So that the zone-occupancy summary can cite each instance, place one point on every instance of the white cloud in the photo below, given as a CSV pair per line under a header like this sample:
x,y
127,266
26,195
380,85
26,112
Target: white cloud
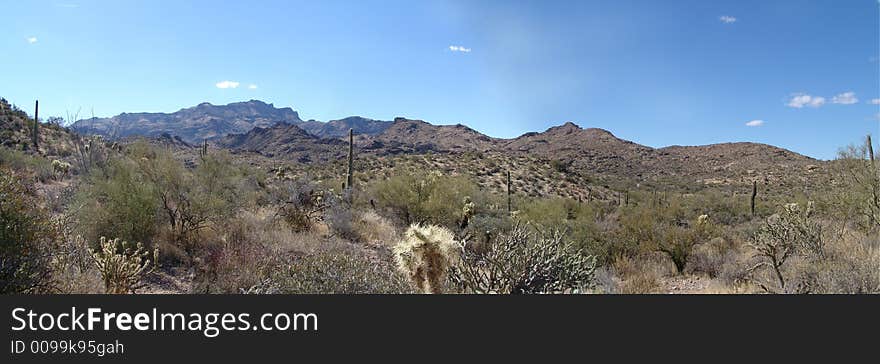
x,y
252,87
227,84
755,123
846,98
727,19
800,100
31,40
459,49
874,102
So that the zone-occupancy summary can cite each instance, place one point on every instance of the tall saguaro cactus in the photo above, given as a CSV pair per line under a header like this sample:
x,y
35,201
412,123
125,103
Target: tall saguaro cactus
x,y
871,151
349,180
754,194
35,135
509,188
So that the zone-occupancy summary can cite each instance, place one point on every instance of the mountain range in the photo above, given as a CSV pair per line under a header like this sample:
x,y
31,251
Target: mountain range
x,y
208,121
255,126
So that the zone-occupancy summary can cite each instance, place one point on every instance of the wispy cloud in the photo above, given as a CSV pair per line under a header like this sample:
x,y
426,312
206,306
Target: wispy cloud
x,y
727,19
31,40
846,98
800,100
227,84
874,102
755,123
252,87
454,48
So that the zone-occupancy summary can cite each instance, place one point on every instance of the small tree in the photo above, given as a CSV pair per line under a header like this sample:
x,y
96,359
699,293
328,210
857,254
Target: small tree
x,y
781,237
678,242
858,196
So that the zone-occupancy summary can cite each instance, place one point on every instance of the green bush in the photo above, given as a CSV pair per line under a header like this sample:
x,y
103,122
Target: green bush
x,y
25,238
427,198
118,201
22,162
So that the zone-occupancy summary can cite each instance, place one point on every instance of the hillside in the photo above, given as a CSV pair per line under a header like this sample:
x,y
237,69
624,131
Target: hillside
x,y
418,136
597,154
285,141
339,128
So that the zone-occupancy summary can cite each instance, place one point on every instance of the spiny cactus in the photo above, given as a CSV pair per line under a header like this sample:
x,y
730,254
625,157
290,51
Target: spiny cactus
x,y
509,188
425,255
349,178
523,262
203,153
467,212
754,194
789,232
35,136
60,169
121,267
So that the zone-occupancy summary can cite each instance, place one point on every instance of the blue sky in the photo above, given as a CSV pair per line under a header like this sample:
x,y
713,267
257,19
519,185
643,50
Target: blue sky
x,y
804,74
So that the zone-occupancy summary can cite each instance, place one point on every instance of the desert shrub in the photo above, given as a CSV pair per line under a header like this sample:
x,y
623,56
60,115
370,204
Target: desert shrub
x,y
190,200
425,255
427,198
26,234
851,265
784,235
857,197
338,271
483,229
22,162
340,218
710,258
640,275
374,229
578,221
123,266
560,166
678,242
245,252
118,201
524,262
642,282
300,203
235,264
73,270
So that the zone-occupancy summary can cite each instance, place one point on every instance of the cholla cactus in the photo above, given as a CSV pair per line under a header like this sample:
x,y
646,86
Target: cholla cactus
x,y
783,235
702,219
122,271
467,212
60,168
424,256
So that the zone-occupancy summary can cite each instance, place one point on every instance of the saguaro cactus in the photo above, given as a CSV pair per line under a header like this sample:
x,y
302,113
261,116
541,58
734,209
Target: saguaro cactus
x,y
204,151
35,135
870,151
509,188
754,194
349,180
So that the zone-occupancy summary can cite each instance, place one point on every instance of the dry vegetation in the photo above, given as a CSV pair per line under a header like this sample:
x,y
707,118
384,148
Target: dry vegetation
x,y
210,221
